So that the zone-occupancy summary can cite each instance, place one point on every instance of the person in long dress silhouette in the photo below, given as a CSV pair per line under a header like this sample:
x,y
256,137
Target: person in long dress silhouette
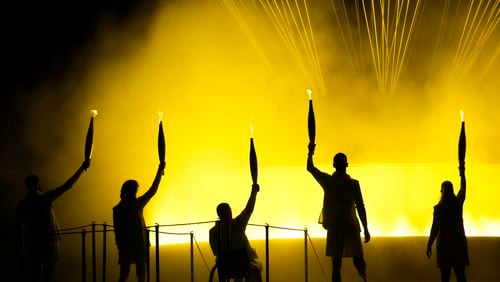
x,y
448,229
129,226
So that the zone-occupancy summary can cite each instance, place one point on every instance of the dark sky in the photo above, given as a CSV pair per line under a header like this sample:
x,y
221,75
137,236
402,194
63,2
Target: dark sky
x,y
40,41
40,38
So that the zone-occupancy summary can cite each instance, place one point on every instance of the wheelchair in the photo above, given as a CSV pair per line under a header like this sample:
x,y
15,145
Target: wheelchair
x,y
235,264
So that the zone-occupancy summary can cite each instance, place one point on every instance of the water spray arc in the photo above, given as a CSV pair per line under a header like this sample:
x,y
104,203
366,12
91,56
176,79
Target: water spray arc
x,y
290,21
385,28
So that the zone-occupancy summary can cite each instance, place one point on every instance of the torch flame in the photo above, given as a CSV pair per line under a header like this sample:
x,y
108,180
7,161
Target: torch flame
x,y
461,115
160,116
251,130
93,113
309,93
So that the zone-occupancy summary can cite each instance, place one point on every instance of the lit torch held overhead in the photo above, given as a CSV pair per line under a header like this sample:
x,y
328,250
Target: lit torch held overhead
x,y
311,121
461,143
161,138
253,158
89,140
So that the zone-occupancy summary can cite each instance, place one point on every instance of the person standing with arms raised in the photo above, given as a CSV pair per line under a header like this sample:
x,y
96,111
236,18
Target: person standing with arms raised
x,y
342,198
448,225
129,226
37,229
128,219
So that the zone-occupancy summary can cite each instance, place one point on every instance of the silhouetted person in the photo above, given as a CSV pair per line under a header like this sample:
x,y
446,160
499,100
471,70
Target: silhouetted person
x,y
448,228
130,234
37,230
229,243
342,197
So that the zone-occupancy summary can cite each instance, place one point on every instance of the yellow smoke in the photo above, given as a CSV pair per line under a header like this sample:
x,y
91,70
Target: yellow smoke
x,y
196,65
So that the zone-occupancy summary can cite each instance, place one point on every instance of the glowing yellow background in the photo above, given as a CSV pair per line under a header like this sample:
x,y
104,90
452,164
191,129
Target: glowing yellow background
x,y
196,65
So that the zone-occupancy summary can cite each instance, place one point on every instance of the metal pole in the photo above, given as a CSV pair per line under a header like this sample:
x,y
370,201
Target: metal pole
x,y
191,253
306,268
94,270
267,252
157,249
104,227
84,258
148,273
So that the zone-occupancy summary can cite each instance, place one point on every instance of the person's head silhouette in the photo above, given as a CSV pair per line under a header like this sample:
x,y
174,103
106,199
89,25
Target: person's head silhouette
x,y
129,189
447,190
340,162
32,183
224,212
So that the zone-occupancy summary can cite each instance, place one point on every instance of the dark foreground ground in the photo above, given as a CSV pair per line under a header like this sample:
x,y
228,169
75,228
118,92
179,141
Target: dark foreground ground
x,y
388,258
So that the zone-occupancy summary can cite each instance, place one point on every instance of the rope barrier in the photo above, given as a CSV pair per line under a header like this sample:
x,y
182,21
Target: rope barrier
x,y
317,258
201,254
173,233
75,228
92,229
188,223
70,233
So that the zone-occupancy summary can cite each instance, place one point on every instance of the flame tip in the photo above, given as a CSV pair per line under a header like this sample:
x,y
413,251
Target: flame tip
x,y
251,130
309,93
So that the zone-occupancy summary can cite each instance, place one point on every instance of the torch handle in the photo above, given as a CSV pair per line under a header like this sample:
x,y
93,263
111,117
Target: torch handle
x,y
253,162
311,124
89,140
161,143
461,146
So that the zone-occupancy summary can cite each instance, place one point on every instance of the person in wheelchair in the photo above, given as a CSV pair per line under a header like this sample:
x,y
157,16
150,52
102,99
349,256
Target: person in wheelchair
x,y
235,258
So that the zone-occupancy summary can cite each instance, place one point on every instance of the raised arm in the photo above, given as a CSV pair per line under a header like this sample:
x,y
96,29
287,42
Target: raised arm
x,y
248,210
54,193
156,183
461,192
316,173
310,153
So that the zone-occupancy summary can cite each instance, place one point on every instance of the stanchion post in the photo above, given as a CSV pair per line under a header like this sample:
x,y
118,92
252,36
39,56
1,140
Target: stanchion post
x,y
267,252
94,270
148,272
157,251
191,254
84,257
104,230
306,267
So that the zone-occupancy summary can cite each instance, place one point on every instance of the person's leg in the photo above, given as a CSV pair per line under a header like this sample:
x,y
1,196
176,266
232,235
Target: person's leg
x,y
336,266
254,274
445,274
34,270
124,272
335,250
140,270
47,271
460,274
360,265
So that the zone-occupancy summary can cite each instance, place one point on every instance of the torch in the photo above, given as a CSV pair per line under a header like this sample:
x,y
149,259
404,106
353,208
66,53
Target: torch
x,y
161,138
311,122
253,157
89,141
461,143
